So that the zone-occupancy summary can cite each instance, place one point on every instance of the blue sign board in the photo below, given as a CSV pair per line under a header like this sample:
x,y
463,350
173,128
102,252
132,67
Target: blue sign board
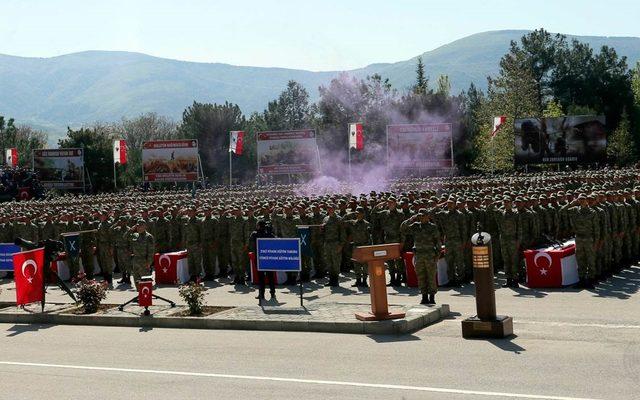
x,y
7,250
278,254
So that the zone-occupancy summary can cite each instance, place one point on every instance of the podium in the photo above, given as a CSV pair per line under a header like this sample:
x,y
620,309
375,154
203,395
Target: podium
x,y
375,256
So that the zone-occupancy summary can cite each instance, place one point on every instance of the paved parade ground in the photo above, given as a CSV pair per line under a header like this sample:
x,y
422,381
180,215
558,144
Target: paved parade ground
x,y
569,344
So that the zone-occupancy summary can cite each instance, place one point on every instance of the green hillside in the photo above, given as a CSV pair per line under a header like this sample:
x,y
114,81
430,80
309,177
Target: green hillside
x,y
105,86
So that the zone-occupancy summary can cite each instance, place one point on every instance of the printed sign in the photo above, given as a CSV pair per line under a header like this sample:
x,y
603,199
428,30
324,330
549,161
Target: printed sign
x,y
7,250
419,146
278,254
60,168
170,160
287,152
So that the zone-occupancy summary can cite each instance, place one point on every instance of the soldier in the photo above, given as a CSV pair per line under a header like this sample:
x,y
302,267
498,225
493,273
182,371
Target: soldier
x,y
209,245
509,230
192,238
142,246
359,231
333,238
222,249
450,221
87,245
237,243
121,234
390,219
584,224
105,248
427,251
317,241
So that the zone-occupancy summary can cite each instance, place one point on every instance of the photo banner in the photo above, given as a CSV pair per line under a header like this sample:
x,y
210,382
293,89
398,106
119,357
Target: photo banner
x,y
170,160
580,139
419,146
287,152
60,168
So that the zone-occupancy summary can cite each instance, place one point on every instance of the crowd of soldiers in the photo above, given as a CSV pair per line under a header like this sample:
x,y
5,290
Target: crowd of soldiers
x,y
435,217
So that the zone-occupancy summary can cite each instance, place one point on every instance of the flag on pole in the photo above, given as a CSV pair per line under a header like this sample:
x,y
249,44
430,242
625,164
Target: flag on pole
x,y
119,152
71,242
497,123
356,136
145,293
12,157
28,271
236,142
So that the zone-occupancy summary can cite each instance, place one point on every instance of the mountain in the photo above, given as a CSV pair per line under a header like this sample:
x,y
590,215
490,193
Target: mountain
x,y
69,90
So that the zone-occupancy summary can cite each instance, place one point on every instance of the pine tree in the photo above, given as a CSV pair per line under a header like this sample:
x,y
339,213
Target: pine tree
x,y
621,148
422,82
444,86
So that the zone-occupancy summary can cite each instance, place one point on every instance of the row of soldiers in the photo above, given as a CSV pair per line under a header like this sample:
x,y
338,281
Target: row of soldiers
x,y
600,208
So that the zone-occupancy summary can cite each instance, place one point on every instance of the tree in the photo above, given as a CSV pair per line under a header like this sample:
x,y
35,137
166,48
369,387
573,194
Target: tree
x,y
621,149
26,139
444,86
553,109
7,129
291,110
97,142
422,82
210,124
513,93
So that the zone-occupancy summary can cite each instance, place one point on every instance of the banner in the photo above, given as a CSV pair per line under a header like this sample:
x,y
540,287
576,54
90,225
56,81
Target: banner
x,y
580,139
236,142
419,146
278,254
170,160
71,242
12,157
7,250
60,168
287,152
145,293
119,152
356,136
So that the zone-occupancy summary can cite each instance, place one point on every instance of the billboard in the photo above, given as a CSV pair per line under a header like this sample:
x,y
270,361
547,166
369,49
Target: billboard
x,y
570,139
287,152
60,168
419,146
170,160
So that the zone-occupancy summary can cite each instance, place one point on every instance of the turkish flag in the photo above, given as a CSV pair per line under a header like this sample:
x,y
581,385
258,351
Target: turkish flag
x,y
410,270
356,136
24,193
236,142
28,271
145,291
119,152
551,267
497,123
166,267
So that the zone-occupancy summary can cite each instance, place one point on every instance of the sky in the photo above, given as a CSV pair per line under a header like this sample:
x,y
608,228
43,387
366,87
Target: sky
x,y
319,35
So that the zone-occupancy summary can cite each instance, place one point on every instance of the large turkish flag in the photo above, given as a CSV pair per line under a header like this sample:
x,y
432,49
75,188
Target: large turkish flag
x,y
28,271
551,267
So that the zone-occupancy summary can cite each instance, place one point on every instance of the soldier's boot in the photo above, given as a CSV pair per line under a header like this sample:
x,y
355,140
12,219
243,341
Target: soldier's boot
x,y
319,275
402,277
425,299
392,280
432,299
125,279
224,272
109,279
364,282
333,281
357,283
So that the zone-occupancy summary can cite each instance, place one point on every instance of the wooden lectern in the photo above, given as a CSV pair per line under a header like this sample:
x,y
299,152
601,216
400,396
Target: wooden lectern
x,y
375,256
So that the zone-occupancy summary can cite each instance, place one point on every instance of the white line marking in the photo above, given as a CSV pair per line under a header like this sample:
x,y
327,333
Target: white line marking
x,y
553,323
293,380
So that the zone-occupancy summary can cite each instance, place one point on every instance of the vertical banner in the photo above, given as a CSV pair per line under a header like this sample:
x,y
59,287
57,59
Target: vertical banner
x,y
170,160
145,293
60,168
12,157
287,152
236,142
119,152
28,272
356,136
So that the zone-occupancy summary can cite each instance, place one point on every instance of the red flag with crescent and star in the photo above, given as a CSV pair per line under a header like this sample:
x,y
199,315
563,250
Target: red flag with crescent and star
x,y
166,268
236,142
119,152
28,271
356,136
145,290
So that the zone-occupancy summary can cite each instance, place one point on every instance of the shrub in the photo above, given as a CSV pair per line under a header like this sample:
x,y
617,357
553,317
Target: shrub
x,y
90,293
193,295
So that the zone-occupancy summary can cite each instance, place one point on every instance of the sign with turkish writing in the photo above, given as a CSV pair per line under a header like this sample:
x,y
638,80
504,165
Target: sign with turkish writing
x,y
7,250
60,168
278,254
170,160
419,146
287,152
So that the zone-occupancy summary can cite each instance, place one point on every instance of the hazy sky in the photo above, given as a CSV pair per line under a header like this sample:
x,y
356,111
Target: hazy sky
x,y
316,35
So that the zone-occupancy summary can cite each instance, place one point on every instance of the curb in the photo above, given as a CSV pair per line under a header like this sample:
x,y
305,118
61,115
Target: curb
x,y
417,318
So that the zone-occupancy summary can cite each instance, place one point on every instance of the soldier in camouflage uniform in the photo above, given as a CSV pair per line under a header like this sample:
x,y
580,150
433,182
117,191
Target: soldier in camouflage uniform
x,y
121,232
142,247
508,222
426,250
359,232
333,239
391,219
209,245
192,239
237,243
105,239
585,225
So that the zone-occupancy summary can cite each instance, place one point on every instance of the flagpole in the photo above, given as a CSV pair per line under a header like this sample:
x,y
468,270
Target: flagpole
x,y
493,160
349,162
230,169
115,181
